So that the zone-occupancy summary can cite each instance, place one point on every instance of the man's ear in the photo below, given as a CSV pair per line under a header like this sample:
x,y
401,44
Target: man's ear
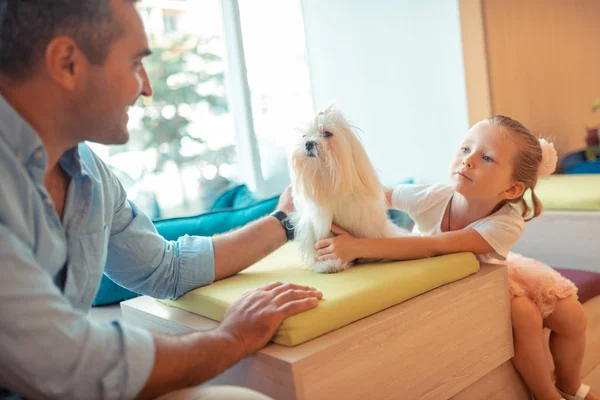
x,y
65,62
514,191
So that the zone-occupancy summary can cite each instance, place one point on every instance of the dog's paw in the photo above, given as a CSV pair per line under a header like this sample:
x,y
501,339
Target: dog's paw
x,y
329,266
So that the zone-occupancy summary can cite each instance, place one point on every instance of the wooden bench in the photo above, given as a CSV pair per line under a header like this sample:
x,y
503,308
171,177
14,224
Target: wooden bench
x,y
452,342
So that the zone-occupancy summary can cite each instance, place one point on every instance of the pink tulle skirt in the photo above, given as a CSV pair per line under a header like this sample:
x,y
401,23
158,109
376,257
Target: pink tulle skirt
x,y
534,279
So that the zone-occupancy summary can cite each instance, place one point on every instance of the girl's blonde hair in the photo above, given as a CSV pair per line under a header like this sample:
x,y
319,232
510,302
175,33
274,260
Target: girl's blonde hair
x,y
526,165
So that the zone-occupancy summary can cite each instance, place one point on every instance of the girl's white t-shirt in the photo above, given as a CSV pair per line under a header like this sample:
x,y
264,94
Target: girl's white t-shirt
x,y
426,205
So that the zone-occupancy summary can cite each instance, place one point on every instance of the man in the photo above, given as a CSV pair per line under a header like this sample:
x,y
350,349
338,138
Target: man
x,y
69,71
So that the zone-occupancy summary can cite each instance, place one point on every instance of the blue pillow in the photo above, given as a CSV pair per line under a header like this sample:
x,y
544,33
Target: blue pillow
x,y
237,197
587,167
401,218
207,224
215,222
109,292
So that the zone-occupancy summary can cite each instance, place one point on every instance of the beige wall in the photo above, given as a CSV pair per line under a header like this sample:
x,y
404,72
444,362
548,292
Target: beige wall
x,y
543,64
475,59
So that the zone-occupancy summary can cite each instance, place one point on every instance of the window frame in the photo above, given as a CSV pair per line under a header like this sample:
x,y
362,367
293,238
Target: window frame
x,y
238,93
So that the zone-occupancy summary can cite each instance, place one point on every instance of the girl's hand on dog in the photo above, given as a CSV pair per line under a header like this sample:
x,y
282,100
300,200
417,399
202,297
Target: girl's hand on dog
x,y
342,246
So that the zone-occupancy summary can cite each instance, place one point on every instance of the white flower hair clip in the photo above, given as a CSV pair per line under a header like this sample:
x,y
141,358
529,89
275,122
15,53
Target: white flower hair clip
x,y
549,159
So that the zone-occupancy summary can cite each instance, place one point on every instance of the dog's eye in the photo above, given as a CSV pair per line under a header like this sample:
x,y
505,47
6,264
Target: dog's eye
x,y
327,134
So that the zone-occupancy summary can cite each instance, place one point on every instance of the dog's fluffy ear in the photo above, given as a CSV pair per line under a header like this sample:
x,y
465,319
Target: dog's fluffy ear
x,y
366,179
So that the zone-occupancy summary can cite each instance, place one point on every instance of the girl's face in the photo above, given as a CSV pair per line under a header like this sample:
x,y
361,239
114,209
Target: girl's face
x,y
483,166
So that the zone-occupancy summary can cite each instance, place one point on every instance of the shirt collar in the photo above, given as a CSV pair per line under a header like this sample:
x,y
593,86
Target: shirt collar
x,y
21,138
70,161
27,146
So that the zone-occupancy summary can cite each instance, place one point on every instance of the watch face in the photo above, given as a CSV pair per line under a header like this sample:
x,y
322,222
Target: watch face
x,y
289,228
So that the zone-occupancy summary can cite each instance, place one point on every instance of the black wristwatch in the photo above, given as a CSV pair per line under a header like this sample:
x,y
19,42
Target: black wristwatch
x,y
285,222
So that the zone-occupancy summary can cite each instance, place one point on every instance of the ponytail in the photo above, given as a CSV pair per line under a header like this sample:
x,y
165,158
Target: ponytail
x,y
526,210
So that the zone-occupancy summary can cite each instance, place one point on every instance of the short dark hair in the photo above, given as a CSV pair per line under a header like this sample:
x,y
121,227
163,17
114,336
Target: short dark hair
x,y
28,26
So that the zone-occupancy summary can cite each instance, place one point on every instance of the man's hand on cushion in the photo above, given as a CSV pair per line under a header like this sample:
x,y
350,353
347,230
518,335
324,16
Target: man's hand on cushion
x,y
253,319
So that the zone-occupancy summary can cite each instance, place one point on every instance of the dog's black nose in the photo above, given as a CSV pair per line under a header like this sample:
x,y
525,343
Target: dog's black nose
x,y
310,145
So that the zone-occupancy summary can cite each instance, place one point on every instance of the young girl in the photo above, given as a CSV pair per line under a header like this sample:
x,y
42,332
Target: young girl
x,y
483,211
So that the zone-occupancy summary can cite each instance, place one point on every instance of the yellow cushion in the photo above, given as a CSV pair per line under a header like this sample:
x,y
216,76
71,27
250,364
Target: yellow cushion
x,y
570,192
347,296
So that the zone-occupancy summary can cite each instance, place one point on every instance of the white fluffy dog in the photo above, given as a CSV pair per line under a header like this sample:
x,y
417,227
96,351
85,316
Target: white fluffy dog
x,y
334,181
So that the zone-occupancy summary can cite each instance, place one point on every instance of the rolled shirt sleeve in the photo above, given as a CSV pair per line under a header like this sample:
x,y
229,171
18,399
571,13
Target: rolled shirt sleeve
x,y
50,350
142,260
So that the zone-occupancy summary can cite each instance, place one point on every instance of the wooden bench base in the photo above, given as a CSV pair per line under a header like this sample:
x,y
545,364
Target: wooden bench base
x,y
434,346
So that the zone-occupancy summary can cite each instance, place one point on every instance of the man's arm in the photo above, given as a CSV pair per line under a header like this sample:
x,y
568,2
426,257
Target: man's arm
x,y
141,260
239,249
50,350
248,325
243,247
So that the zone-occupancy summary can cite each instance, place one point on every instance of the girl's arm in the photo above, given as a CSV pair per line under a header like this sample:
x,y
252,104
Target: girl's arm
x,y
348,248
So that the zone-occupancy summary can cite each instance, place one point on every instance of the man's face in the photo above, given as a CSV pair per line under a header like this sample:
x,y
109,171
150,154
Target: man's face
x,y
110,89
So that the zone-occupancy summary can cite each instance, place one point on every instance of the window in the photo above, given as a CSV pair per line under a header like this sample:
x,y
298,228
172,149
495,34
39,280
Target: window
x,y
170,24
192,140
279,82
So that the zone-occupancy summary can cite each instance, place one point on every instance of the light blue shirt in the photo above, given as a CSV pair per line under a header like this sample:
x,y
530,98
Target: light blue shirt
x,y
48,347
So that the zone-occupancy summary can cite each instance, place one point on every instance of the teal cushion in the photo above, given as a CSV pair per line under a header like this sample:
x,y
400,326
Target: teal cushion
x,y
109,292
401,218
207,224
215,222
237,197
